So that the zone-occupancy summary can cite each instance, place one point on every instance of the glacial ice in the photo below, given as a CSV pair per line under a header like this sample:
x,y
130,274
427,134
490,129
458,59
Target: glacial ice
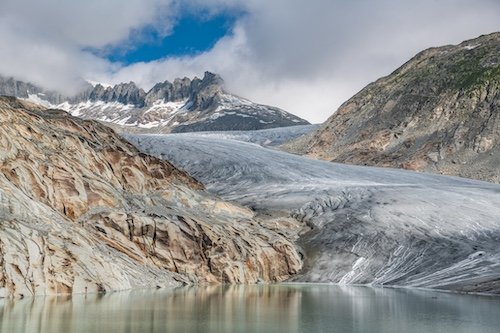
x,y
369,225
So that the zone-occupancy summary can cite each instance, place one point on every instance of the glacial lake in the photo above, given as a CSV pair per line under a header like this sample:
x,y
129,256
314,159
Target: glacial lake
x,y
263,308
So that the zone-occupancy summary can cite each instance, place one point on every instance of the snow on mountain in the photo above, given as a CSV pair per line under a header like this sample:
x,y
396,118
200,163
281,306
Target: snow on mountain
x,y
184,105
369,225
159,114
38,99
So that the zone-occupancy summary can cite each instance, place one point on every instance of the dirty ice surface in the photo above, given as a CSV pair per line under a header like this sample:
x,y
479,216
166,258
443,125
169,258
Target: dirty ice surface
x,y
369,225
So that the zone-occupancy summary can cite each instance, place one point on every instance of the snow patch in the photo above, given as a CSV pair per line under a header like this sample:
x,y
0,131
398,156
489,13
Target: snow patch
x,y
104,111
35,98
122,121
167,106
471,47
151,124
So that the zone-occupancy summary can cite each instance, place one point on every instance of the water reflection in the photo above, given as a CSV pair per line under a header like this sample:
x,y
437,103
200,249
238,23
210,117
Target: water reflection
x,y
275,308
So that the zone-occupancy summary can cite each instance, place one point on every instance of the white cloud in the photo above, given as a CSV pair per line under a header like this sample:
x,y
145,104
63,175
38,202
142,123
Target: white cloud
x,y
86,23
44,41
304,56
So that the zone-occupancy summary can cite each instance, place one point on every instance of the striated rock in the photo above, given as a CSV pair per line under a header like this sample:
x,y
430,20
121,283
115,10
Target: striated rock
x,y
438,113
81,210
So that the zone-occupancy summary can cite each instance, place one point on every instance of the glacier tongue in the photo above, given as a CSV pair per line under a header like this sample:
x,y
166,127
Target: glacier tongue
x,y
369,225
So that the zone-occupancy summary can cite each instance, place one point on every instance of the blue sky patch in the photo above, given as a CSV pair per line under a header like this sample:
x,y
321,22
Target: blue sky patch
x,y
191,35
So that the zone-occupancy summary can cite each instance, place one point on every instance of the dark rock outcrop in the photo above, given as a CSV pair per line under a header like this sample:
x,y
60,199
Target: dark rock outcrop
x,y
180,89
124,93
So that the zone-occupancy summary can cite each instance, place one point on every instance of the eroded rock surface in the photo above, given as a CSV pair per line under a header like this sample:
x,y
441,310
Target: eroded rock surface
x,y
81,210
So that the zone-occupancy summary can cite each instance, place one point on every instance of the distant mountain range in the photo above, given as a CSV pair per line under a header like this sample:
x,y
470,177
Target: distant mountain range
x,y
184,105
439,112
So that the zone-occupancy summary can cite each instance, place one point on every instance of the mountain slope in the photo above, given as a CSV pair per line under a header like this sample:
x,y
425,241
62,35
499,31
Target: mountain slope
x,y
439,112
182,106
369,225
81,210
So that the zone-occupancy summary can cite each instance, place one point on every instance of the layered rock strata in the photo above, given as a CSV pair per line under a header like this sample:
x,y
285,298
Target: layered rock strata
x,y
81,210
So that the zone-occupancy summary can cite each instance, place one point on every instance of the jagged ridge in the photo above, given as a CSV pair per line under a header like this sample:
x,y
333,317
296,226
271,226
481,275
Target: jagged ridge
x,y
182,106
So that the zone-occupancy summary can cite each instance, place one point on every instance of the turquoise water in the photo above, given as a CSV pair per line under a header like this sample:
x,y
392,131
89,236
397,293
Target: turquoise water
x,y
274,308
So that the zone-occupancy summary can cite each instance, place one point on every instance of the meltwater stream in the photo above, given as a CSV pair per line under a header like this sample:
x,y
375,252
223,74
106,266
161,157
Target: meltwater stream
x,y
265,308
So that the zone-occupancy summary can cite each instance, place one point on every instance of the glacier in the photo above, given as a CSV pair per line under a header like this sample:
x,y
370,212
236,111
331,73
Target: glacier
x,y
362,225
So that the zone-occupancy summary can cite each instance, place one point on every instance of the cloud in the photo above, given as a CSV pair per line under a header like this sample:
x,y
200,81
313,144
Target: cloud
x,y
86,23
304,56
44,41
309,57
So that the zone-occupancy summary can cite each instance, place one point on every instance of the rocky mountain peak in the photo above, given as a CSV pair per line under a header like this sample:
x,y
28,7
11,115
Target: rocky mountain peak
x,y
206,92
125,93
439,112
210,78
179,90
182,105
9,86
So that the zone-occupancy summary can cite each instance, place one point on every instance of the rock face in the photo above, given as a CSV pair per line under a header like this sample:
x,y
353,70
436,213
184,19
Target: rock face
x,y
123,93
12,87
439,112
182,106
81,210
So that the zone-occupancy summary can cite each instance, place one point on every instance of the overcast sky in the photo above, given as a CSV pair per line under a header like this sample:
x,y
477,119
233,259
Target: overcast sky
x,y
304,56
